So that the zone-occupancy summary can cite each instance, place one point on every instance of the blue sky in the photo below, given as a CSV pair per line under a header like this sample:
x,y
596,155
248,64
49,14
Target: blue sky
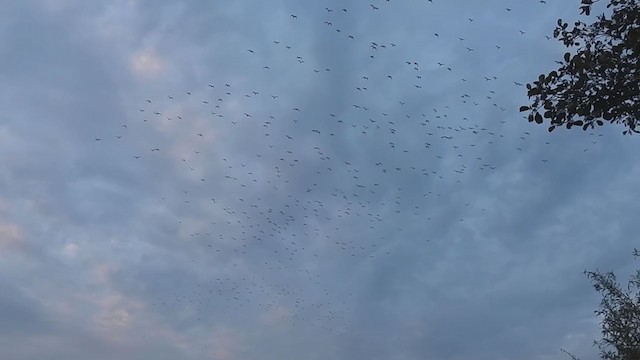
x,y
288,179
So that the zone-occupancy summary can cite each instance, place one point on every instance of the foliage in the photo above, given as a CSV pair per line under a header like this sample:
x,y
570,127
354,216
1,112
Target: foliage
x,y
601,80
620,314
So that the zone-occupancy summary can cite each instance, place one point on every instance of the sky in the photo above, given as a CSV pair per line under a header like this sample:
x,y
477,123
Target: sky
x,y
289,179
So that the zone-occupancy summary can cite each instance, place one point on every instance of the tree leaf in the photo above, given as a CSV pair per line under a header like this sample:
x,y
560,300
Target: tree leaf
x,y
597,81
538,118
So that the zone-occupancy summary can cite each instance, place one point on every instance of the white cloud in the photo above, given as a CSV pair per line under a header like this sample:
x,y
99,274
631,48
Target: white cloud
x,y
146,64
11,237
71,250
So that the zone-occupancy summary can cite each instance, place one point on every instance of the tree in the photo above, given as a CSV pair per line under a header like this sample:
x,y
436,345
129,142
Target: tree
x,y
620,313
600,81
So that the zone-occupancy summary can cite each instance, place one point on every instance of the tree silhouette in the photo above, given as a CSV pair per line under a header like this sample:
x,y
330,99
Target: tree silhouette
x,y
600,81
620,313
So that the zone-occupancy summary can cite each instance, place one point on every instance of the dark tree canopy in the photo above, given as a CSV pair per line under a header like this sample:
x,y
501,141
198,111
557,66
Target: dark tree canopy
x,y
600,81
620,314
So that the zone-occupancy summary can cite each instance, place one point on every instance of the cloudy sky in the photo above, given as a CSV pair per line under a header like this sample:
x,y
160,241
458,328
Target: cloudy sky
x,y
297,179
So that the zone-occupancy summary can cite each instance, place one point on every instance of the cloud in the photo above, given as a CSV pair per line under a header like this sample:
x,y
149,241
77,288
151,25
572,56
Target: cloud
x,y
225,344
11,237
146,64
379,220
71,250
21,315
276,315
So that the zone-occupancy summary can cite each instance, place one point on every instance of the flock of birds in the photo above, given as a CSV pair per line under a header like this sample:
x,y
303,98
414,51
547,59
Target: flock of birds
x,y
289,190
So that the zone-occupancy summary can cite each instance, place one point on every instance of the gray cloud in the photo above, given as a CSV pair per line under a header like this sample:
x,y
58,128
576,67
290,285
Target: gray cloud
x,y
424,221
